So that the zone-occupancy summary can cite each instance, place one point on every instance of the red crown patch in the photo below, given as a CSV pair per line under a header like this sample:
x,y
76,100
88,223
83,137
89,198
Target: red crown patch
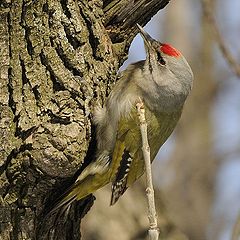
x,y
169,50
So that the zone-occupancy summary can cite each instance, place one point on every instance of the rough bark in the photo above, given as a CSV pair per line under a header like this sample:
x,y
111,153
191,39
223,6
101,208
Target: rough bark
x,y
58,59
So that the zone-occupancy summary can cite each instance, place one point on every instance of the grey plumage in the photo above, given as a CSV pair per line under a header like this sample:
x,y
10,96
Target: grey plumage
x,y
163,81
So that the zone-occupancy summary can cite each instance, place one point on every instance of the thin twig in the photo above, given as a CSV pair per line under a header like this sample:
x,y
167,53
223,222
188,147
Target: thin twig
x,y
217,35
153,231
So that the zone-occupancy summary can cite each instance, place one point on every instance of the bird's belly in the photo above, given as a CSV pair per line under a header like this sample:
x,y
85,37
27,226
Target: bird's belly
x,y
160,126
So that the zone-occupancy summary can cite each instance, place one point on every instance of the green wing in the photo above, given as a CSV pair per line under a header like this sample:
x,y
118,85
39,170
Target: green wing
x,y
127,160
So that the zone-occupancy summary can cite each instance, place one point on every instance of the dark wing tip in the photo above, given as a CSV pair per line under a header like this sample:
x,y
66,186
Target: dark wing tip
x,y
120,183
118,189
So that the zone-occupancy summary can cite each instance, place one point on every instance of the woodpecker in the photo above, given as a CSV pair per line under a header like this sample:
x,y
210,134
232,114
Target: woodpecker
x,y
162,81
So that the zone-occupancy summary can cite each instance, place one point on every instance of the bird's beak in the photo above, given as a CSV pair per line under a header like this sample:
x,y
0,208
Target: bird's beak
x,y
148,40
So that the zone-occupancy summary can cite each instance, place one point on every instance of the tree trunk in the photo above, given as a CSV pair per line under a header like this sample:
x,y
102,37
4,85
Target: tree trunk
x,y
58,60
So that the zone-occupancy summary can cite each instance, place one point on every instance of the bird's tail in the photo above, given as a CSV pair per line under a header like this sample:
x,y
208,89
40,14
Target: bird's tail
x,y
93,177
65,200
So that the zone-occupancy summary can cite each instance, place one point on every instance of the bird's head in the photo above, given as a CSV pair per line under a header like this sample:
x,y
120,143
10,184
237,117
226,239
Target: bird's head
x,y
165,61
166,66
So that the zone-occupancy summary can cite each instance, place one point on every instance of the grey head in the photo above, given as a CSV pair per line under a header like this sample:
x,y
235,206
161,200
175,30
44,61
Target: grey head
x,y
166,77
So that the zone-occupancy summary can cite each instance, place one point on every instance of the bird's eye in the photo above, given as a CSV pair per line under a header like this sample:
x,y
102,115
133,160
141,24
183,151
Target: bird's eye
x,y
160,59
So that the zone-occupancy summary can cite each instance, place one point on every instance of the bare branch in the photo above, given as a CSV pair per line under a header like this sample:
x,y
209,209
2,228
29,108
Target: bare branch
x,y
218,37
153,231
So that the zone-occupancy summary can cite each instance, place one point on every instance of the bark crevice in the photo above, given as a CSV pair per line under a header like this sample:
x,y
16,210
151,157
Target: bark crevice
x,y
59,62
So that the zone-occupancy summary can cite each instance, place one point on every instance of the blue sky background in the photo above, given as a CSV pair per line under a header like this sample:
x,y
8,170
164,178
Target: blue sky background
x,y
226,110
